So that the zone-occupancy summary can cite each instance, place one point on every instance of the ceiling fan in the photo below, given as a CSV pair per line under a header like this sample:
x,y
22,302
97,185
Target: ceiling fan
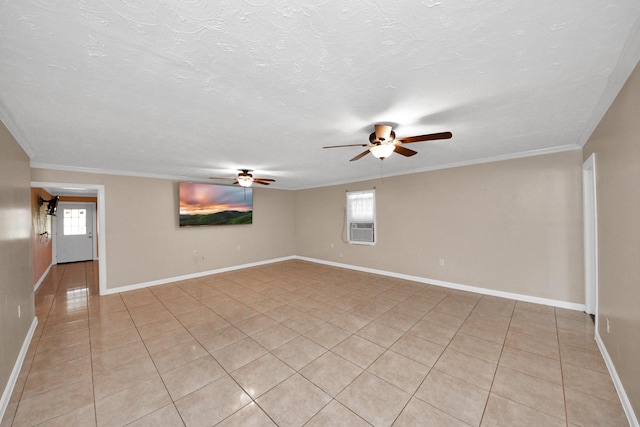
x,y
383,142
245,179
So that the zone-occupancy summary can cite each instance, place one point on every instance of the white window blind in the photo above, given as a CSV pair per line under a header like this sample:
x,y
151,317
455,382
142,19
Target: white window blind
x,y
361,216
361,206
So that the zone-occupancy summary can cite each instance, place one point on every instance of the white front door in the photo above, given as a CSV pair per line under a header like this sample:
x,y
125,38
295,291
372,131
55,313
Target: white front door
x,y
74,232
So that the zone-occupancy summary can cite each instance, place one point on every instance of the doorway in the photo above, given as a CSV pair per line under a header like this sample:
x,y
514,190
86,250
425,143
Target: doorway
x,y
99,224
590,215
75,231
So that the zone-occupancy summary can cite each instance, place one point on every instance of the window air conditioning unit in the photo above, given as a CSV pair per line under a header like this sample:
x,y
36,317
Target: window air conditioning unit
x,y
361,232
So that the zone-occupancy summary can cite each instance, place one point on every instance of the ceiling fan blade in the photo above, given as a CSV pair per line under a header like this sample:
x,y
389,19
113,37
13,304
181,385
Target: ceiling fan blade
x,y
219,177
359,156
257,181
263,180
348,145
429,137
404,151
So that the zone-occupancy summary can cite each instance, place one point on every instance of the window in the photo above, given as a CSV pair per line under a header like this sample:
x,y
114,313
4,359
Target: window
x,y
75,222
361,217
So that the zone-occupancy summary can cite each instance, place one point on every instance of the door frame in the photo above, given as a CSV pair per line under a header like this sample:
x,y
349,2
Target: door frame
x,y
590,223
100,224
94,243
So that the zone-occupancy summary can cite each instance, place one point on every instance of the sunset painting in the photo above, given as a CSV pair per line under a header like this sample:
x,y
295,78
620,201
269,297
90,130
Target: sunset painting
x,y
210,204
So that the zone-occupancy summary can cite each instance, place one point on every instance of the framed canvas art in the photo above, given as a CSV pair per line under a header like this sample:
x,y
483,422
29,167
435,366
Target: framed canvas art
x,y
212,204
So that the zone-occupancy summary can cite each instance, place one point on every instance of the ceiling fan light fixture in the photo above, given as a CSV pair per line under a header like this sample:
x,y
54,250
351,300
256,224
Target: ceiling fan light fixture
x,y
245,181
382,151
383,142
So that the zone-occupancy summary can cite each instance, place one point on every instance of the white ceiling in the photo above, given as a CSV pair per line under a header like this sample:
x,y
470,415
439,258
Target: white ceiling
x,y
193,88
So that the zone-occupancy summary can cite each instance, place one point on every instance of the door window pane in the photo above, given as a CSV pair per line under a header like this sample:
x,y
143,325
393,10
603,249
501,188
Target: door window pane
x,y
75,222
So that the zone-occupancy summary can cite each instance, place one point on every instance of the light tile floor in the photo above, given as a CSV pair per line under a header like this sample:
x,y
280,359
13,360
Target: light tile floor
x,y
297,343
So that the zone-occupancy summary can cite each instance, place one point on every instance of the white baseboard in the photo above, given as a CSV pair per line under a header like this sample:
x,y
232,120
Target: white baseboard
x,y
41,279
13,378
468,288
192,276
622,394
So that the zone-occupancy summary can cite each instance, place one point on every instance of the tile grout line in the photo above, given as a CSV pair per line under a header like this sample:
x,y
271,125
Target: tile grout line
x,y
498,363
173,402
436,361
534,376
210,354
37,343
564,388
93,381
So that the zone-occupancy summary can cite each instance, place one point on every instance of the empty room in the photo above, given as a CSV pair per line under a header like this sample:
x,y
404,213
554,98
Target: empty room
x,y
264,213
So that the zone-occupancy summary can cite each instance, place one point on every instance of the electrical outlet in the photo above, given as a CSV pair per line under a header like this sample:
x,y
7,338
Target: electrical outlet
x,y
195,253
19,312
441,262
608,325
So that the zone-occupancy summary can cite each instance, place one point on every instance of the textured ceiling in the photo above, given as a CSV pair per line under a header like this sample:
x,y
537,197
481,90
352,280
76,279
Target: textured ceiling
x,y
190,89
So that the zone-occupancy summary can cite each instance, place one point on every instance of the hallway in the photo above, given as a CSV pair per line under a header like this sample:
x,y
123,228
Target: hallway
x,y
61,307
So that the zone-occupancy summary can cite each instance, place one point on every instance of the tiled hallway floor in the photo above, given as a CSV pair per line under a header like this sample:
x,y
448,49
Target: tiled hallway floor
x,y
296,343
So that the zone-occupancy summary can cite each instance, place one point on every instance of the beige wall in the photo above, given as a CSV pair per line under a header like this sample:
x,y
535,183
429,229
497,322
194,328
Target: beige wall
x,y
616,144
513,226
144,242
490,223
16,284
